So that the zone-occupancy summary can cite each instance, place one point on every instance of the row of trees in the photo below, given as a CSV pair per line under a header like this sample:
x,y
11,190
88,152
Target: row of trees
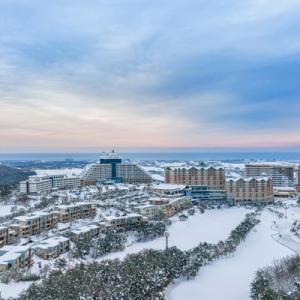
x,y
139,276
278,281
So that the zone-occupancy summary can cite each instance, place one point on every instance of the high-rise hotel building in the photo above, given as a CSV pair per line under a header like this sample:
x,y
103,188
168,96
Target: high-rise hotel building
x,y
111,167
282,174
213,178
255,189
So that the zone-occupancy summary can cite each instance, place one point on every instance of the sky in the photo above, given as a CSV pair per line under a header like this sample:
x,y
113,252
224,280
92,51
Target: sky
x,y
206,74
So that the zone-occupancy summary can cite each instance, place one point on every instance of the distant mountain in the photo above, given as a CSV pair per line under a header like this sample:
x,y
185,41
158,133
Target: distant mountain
x,y
10,177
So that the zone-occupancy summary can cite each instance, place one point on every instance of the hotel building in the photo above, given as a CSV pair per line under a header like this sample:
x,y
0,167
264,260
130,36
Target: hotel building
x,y
282,174
213,178
43,184
255,189
111,167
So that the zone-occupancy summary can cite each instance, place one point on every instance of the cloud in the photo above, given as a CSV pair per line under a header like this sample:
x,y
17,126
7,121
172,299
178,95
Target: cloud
x,y
78,74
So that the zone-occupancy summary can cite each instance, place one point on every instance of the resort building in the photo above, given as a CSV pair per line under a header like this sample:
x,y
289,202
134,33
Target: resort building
x,y
284,192
15,258
167,189
84,233
202,193
255,189
80,210
164,207
130,219
111,167
43,184
7,235
52,247
282,174
34,223
213,178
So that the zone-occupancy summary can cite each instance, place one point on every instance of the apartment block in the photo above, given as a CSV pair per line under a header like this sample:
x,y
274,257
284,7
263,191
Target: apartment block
x,y
212,177
164,207
15,257
130,219
52,247
34,223
255,189
7,235
80,210
43,184
84,233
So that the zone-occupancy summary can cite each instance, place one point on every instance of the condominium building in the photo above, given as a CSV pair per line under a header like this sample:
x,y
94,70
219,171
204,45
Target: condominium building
x,y
130,219
43,184
164,207
15,257
282,174
80,210
212,177
7,235
255,189
111,167
34,223
52,247
84,233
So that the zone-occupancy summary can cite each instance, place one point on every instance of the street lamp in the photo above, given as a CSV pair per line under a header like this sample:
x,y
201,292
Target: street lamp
x,y
167,234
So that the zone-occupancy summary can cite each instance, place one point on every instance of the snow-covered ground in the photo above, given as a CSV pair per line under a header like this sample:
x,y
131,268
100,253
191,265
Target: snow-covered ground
x,y
13,289
212,226
5,210
230,278
73,171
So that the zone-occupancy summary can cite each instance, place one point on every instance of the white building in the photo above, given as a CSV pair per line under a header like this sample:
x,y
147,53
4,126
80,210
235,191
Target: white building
x,y
111,167
43,184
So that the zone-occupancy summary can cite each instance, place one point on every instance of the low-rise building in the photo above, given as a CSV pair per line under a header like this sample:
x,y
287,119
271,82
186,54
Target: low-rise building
x,y
15,257
284,192
255,190
75,211
167,189
52,247
164,207
202,193
7,235
130,219
84,233
34,223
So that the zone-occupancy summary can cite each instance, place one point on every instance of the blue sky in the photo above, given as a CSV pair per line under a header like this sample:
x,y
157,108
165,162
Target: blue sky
x,y
80,75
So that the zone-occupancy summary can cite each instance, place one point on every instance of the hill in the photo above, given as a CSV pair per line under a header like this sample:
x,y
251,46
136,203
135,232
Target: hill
x,y
10,177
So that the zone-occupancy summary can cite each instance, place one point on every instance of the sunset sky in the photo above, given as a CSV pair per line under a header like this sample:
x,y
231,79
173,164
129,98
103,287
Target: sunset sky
x,y
83,75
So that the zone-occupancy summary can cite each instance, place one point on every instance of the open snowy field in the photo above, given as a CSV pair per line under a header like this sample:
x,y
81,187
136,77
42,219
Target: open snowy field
x,y
230,278
212,226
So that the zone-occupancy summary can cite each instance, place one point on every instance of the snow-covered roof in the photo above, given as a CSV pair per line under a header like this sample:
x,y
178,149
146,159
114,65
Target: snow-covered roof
x,y
198,168
32,216
168,186
260,178
51,242
84,229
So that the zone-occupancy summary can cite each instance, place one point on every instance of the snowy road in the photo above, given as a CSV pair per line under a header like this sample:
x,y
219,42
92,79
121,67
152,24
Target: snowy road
x,y
230,278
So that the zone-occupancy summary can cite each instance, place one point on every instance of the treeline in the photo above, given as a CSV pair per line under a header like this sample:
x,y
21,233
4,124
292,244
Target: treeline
x,y
139,276
278,281
10,177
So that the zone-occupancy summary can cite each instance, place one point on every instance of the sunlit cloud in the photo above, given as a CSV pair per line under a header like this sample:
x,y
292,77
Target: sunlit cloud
x,y
90,74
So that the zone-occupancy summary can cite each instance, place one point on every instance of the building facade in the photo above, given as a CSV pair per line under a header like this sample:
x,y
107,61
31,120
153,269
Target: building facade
x,y
38,184
253,190
111,167
213,178
282,174
80,210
